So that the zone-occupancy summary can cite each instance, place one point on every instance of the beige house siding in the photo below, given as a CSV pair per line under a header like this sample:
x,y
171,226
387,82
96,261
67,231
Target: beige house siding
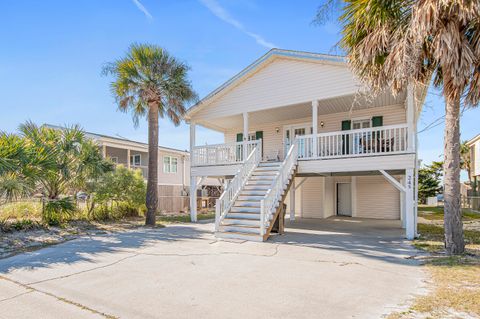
x,y
476,159
283,82
312,197
377,198
273,141
178,178
373,197
329,204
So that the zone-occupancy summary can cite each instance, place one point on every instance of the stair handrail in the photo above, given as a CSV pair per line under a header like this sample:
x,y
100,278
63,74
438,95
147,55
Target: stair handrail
x,y
274,193
230,194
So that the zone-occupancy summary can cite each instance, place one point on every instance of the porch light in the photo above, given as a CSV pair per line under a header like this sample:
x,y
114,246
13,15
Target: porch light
x,y
322,124
277,129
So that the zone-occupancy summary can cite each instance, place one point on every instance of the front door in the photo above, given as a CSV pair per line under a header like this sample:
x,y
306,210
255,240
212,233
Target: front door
x,y
293,131
344,199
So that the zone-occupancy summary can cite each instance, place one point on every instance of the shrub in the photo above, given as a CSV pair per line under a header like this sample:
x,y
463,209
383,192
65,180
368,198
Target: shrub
x,y
57,211
117,195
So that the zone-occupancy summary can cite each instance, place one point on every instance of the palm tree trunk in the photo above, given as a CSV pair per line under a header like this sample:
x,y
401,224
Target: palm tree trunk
x,y
454,242
152,181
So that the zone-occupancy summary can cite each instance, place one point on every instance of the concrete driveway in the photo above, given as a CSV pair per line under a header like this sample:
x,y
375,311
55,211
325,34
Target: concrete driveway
x,y
335,268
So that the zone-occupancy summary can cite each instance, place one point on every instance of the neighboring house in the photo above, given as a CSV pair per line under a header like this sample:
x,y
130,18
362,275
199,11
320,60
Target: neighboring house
x,y
173,170
297,130
474,145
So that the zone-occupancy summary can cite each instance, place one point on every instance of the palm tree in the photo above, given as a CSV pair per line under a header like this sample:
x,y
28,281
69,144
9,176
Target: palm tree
x,y
150,82
393,44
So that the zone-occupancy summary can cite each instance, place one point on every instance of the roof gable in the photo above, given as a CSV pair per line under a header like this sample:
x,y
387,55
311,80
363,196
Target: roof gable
x,y
293,66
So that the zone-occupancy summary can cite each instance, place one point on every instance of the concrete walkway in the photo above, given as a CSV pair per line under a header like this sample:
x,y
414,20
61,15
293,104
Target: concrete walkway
x,y
336,268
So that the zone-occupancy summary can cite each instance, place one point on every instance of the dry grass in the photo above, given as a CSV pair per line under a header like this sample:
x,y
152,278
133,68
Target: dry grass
x,y
436,213
21,210
455,280
184,218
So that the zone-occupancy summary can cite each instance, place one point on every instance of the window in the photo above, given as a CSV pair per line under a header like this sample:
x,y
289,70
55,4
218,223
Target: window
x,y
170,164
114,159
358,124
135,160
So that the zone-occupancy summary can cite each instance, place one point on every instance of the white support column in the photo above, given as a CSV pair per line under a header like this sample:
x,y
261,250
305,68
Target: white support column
x,y
354,196
245,135
193,199
104,151
415,195
128,158
411,118
315,126
292,200
409,204
193,179
402,203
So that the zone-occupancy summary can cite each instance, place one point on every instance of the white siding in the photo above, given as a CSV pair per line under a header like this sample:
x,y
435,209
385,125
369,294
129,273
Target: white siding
x,y
298,200
377,198
329,201
312,197
283,82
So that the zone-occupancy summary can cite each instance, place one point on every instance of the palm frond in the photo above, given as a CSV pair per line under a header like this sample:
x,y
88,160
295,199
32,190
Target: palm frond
x,y
149,74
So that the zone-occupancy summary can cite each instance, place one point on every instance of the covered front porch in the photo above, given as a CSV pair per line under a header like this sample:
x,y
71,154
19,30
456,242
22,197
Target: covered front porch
x,y
343,127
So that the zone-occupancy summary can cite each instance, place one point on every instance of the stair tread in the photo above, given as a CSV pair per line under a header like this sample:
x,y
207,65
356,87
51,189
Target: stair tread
x,y
240,233
241,226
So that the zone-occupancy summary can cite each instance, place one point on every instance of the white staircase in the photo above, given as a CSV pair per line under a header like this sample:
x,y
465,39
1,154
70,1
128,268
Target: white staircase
x,y
253,207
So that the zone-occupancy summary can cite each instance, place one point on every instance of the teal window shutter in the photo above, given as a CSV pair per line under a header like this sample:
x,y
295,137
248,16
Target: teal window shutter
x,y
377,121
346,125
239,137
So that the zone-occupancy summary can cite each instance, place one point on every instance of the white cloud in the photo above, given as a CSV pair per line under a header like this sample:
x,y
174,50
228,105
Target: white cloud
x,y
224,15
143,9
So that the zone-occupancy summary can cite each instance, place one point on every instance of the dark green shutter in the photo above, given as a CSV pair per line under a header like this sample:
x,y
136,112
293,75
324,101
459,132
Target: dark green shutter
x,y
239,137
377,121
346,125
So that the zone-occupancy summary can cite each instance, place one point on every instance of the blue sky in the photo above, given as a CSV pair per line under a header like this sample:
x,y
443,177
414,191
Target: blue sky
x,y
53,50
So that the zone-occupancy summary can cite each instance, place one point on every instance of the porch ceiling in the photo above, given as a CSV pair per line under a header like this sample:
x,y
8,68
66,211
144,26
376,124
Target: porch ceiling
x,y
304,110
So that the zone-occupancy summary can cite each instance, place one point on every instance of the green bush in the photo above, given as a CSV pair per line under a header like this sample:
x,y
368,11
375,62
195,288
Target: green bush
x,y
117,195
58,211
105,212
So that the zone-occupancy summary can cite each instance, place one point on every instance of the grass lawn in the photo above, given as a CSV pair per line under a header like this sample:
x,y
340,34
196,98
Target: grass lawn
x,y
455,280
436,213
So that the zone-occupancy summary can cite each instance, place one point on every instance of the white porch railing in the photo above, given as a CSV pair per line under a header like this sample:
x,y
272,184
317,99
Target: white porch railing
x,y
390,139
274,194
230,194
222,154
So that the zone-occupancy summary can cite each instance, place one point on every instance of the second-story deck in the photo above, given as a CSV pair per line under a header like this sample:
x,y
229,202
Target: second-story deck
x,y
317,153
